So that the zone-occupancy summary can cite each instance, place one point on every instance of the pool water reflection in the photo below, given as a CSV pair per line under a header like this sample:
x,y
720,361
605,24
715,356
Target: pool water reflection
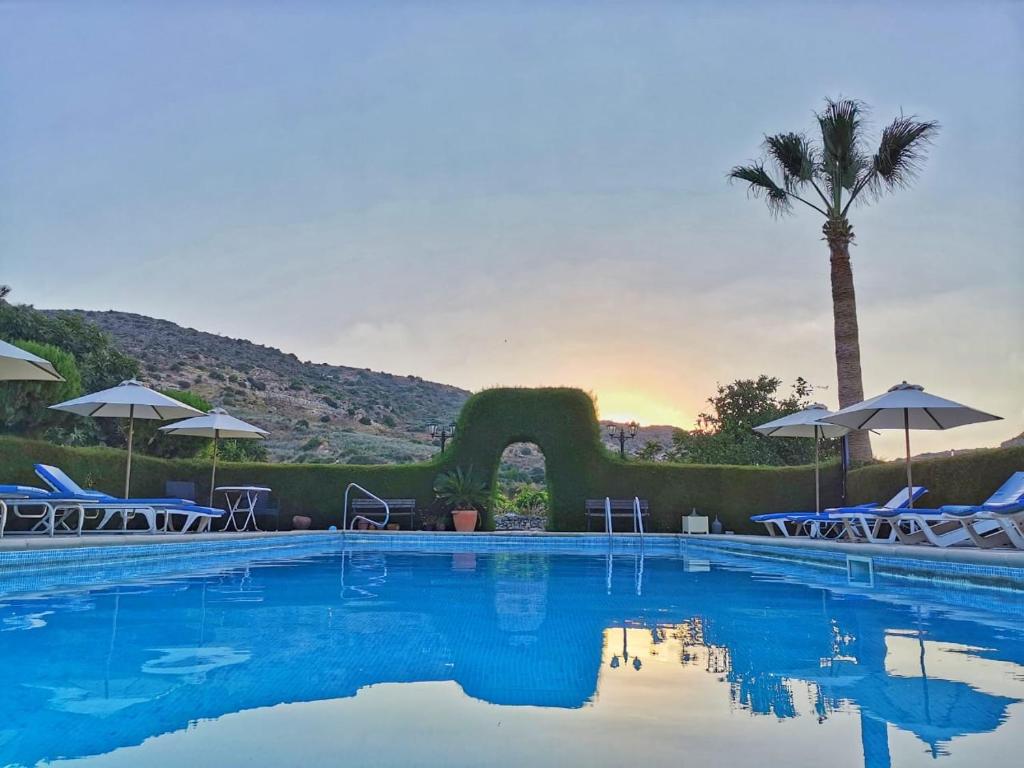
x,y
375,658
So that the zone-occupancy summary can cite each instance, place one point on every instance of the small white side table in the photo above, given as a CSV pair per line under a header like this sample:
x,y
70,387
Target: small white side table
x,y
695,524
240,501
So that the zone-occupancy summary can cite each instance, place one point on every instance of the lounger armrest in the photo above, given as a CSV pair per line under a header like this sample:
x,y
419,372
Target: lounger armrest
x,y
1003,506
23,491
960,510
161,502
854,508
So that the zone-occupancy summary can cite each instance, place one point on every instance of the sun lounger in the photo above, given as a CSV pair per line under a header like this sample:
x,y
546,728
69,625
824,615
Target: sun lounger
x,y
832,523
49,511
111,506
794,524
999,521
995,522
929,526
866,522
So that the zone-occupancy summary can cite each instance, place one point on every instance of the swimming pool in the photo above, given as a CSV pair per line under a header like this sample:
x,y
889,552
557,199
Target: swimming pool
x,y
363,656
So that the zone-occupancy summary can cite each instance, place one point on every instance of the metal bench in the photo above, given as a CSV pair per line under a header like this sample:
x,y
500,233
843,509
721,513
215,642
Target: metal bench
x,y
621,509
371,508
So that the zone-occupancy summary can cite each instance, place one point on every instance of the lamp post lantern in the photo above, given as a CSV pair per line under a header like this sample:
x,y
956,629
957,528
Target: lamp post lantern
x,y
622,433
443,433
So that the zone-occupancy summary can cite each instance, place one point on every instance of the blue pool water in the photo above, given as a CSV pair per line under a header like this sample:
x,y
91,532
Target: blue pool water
x,y
398,658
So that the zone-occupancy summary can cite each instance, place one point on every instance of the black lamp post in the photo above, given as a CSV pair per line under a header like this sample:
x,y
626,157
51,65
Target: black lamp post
x,y
444,433
622,434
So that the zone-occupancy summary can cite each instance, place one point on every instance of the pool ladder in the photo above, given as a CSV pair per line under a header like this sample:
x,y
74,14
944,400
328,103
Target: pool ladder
x,y
387,509
638,517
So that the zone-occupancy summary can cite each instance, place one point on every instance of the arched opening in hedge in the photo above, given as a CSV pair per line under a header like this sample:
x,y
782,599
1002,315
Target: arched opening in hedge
x,y
521,496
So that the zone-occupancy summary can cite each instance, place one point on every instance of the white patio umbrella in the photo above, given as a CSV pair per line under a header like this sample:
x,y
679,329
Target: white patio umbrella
x,y
128,400
806,423
217,423
18,365
907,406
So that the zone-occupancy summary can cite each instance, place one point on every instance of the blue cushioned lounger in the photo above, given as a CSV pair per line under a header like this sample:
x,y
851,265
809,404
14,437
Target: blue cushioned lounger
x,y
830,523
50,511
111,506
997,521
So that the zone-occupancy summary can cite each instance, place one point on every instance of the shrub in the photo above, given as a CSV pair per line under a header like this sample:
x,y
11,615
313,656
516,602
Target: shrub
x,y
461,489
366,421
217,376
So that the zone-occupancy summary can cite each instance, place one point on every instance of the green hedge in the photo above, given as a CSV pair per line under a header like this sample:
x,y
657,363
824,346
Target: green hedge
x,y
310,489
563,424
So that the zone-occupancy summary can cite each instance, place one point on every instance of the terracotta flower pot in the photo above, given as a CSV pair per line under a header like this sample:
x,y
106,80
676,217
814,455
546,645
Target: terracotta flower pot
x,y
465,519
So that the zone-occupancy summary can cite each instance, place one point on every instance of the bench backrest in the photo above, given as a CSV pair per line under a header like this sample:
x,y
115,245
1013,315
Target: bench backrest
x,y
392,504
618,505
180,489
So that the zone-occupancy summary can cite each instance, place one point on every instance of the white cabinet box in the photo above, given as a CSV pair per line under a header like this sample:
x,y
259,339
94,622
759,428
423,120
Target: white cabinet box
x,y
695,524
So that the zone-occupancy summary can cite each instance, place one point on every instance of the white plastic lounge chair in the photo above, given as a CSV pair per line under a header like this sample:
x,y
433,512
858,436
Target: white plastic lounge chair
x,y
867,521
51,512
930,526
834,522
111,506
999,521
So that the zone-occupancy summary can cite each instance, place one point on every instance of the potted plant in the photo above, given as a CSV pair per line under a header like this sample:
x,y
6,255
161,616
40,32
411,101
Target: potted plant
x,y
464,494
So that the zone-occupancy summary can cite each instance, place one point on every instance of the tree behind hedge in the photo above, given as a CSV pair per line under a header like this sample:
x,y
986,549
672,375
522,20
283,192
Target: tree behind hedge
x,y
725,433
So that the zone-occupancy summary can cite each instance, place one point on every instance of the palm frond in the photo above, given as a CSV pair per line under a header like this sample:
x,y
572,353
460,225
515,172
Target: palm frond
x,y
902,147
795,157
761,184
842,160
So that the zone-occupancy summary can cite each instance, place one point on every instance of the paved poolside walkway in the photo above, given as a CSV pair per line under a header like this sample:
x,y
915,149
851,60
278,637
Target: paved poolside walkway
x,y
1007,558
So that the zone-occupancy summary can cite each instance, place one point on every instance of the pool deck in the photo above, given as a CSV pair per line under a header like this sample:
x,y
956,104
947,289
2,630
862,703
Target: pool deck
x,y
1006,558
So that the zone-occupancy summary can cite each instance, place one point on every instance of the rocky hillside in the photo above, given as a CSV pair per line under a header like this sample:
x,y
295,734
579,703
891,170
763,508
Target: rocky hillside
x,y
315,412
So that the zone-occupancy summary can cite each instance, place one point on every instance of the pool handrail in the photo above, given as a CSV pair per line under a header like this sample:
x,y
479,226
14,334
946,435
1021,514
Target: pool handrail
x,y
608,516
375,497
638,518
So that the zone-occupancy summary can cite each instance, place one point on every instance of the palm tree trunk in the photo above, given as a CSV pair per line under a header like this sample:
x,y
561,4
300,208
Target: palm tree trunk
x,y
847,335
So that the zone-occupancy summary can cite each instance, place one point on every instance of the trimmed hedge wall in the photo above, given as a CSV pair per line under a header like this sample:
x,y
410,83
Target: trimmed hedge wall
x,y
309,489
563,424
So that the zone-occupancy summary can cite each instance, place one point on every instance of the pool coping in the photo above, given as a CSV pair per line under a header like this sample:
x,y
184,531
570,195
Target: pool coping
x,y
63,558
1007,558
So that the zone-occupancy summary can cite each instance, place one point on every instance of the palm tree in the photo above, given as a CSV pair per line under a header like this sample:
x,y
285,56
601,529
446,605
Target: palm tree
x,y
829,176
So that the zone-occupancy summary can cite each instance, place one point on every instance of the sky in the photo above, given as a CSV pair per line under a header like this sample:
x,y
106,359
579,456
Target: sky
x,y
521,193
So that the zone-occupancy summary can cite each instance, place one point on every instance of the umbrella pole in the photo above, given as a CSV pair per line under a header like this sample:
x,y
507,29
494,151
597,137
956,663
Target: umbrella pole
x,y
131,436
906,434
817,477
213,475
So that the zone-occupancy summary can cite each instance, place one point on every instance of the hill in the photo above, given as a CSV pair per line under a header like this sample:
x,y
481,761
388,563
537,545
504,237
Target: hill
x,y
315,412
